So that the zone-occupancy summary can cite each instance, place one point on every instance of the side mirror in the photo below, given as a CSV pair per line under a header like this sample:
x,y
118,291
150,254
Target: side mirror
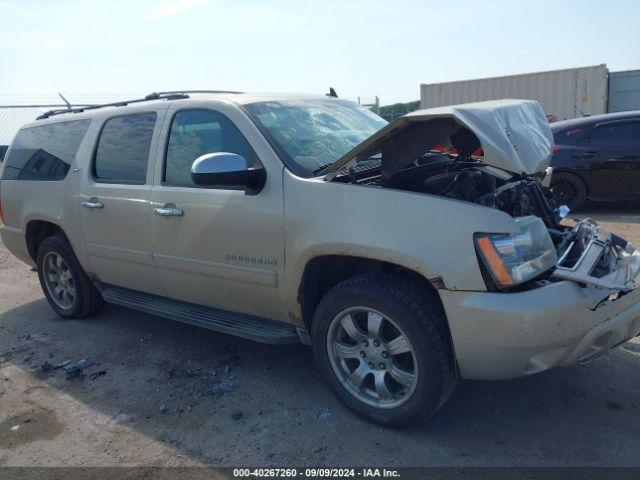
x,y
223,169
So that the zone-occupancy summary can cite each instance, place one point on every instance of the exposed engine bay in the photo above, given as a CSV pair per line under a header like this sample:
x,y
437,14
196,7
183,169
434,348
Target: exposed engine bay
x,y
496,154
586,253
466,179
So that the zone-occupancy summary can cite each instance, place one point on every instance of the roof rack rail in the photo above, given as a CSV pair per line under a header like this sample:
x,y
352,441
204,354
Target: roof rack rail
x,y
193,91
83,108
172,95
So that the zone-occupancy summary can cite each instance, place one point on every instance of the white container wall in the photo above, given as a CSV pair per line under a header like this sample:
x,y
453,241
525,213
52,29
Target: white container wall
x,y
624,91
563,94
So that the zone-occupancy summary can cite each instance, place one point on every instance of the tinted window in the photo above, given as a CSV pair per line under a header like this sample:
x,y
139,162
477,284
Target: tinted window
x,y
123,148
44,152
198,132
621,133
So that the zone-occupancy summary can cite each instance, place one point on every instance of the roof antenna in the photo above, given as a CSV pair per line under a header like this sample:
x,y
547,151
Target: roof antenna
x,y
65,101
332,93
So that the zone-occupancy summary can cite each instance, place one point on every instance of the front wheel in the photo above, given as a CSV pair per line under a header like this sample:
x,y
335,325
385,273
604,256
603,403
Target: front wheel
x,y
384,349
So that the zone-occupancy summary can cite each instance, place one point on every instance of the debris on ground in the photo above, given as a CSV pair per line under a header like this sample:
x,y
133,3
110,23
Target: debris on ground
x,y
97,374
222,387
122,418
73,370
323,413
62,364
46,366
237,415
222,380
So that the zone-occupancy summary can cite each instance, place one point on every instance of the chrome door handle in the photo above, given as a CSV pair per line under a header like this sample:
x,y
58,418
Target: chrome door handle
x,y
169,210
93,202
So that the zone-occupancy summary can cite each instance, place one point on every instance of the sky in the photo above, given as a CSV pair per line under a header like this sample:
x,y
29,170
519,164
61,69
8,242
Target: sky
x,y
96,50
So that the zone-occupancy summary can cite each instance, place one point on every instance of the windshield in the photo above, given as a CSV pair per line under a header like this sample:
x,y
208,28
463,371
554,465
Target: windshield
x,y
314,133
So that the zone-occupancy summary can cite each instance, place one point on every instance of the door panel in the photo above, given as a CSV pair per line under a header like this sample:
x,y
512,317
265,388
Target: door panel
x,y
225,251
617,171
115,216
616,160
226,248
117,235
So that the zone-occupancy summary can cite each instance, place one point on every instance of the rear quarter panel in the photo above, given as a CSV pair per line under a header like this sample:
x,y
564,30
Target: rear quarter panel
x,y
53,201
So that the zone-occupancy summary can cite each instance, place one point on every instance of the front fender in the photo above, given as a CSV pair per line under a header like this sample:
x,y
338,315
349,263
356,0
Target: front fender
x,y
430,235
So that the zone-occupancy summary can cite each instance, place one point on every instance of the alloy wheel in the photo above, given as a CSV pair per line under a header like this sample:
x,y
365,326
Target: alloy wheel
x,y
372,357
58,280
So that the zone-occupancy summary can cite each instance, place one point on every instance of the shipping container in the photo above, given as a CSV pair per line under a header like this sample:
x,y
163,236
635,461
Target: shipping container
x,y
563,94
624,91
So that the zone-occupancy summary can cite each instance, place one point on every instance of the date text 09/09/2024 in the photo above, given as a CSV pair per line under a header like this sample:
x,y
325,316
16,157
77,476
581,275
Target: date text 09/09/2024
x,y
316,473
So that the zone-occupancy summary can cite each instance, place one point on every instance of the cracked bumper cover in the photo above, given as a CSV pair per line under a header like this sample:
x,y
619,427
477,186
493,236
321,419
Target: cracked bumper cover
x,y
574,320
509,335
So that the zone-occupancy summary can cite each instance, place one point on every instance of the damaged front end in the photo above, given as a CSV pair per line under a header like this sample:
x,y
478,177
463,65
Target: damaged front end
x,y
496,154
591,255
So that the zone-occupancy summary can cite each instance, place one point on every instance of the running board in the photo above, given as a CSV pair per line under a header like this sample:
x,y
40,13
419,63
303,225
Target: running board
x,y
238,324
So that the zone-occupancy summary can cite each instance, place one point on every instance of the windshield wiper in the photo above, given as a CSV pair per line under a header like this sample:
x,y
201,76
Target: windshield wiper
x,y
321,168
361,166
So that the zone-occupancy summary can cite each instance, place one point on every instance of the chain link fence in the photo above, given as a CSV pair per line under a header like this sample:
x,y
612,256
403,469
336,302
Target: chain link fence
x,y
18,109
12,117
372,103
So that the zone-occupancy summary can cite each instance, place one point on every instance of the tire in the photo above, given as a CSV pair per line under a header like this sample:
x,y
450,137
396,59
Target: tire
x,y
569,189
405,310
66,287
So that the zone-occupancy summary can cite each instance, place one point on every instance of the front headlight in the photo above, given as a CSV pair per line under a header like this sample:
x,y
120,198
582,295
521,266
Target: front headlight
x,y
516,258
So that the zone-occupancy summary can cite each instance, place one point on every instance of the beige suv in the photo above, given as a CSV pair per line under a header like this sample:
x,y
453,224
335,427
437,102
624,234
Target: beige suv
x,y
407,254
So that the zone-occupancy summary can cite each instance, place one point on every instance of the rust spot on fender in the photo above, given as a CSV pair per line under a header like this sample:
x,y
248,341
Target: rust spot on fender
x,y
296,318
438,282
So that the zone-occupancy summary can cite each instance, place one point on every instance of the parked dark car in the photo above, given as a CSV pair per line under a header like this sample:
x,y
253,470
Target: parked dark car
x,y
596,158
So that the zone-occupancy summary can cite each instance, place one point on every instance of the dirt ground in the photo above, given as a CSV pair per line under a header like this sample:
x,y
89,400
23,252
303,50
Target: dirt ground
x,y
159,393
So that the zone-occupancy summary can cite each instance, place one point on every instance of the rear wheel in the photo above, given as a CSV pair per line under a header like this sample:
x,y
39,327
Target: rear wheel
x,y
568,189
383,349
65,284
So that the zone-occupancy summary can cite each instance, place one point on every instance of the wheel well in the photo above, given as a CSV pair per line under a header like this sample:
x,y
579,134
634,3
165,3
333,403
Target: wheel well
x,y
36,232
323,273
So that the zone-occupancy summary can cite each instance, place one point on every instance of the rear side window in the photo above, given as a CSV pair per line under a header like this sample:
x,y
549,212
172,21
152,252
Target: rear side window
x,y
44,152
123,149
198,132
619,133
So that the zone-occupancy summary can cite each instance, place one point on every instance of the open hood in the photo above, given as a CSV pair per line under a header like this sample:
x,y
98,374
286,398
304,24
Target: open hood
x,y
514,135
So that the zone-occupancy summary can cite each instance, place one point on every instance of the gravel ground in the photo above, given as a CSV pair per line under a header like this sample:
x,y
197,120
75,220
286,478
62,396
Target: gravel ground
x,y
159,393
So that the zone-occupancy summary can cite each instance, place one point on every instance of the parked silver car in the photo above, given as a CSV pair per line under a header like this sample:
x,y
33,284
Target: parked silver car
x,y
403,258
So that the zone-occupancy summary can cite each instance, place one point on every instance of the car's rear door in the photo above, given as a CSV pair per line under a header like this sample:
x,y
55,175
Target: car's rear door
x,y
616,161
215,246
114,198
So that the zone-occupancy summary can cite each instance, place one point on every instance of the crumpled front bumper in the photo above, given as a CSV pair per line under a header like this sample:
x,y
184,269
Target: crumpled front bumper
x,y
509,335
576,319
620,256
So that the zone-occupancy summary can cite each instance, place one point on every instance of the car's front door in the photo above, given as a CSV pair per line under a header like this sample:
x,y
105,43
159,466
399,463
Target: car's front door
x,y
616,162
114,197
213,246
